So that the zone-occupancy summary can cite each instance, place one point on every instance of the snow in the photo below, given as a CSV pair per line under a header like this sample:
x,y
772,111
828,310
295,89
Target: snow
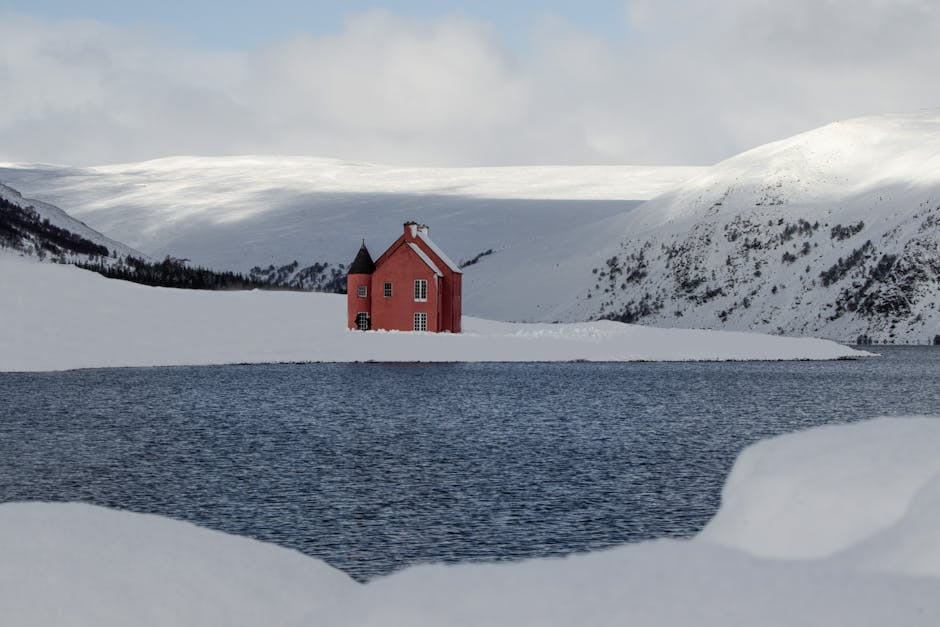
x,y
833,163
58,317
425,259
72,564
879,172
795,496
239,212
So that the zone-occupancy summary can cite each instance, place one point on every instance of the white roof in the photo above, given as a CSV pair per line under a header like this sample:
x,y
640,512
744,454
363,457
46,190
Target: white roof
x,y
440,253
426,259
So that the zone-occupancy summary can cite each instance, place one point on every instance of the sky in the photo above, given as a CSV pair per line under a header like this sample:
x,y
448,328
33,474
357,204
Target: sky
x,y
439,83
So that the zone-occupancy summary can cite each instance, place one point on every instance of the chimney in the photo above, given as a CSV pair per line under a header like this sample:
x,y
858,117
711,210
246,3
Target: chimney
x,y
411,229
423,228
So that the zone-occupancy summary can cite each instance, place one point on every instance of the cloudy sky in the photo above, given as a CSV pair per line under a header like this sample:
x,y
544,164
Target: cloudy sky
x,y
442,82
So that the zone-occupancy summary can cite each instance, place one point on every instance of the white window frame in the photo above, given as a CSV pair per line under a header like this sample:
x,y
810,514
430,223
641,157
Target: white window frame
x,y
421,290
362,291
363,316
388,289
420,319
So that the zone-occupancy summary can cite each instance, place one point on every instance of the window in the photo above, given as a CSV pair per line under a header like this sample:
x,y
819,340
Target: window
x,y
388,289
421,290
362,291
421,322
362,321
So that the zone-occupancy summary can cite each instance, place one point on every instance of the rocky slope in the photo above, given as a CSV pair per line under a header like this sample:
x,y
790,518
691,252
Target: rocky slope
x,y
832,233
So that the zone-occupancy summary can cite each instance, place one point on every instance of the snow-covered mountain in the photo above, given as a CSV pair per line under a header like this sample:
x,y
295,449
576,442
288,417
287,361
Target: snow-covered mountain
x,y
42,230
545,226
832,233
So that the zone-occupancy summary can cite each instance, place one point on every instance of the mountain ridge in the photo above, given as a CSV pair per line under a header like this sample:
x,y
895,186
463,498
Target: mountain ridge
x,y
833,232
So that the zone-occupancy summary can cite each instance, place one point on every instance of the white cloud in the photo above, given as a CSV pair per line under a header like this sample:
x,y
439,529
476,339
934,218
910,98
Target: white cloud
x,y
691,82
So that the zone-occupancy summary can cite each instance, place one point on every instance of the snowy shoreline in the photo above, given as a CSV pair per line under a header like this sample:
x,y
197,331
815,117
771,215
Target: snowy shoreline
x,y
376,362
835,525
58,317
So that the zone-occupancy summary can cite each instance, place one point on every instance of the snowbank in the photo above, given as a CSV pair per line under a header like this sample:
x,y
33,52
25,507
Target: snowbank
x,y
81,565
800,496
74,564
58,317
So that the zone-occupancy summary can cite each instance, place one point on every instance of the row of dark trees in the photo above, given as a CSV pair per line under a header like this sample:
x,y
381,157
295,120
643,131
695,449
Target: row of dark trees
x,y
175,273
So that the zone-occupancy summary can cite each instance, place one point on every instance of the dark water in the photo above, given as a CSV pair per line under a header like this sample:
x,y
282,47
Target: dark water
x,y
373,467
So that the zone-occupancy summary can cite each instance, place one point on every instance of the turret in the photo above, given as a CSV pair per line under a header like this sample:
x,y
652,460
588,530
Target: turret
x,y
359,290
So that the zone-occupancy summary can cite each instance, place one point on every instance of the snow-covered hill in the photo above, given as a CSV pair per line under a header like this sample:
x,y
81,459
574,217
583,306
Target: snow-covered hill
x,y
41,230
545,225
833,233
57,317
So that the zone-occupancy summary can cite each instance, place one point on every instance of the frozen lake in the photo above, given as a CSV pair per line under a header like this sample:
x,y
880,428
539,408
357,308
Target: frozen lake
x,y
373,467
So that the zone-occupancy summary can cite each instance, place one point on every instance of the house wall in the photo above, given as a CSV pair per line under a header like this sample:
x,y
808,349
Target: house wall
x,y
450,297
354,304
451,285
402,267
455,311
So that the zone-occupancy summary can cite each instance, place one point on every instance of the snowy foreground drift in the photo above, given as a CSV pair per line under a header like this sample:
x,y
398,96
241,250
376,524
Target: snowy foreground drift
x,y
58,317
850,514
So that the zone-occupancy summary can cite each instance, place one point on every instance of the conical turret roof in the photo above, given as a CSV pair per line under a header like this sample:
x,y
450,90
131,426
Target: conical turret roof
x,y
363,263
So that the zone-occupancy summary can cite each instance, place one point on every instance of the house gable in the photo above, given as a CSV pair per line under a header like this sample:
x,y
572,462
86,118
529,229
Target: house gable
x,y
427,260
400,270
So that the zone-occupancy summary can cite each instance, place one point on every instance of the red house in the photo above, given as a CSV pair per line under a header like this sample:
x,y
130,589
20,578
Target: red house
x,y
413,286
